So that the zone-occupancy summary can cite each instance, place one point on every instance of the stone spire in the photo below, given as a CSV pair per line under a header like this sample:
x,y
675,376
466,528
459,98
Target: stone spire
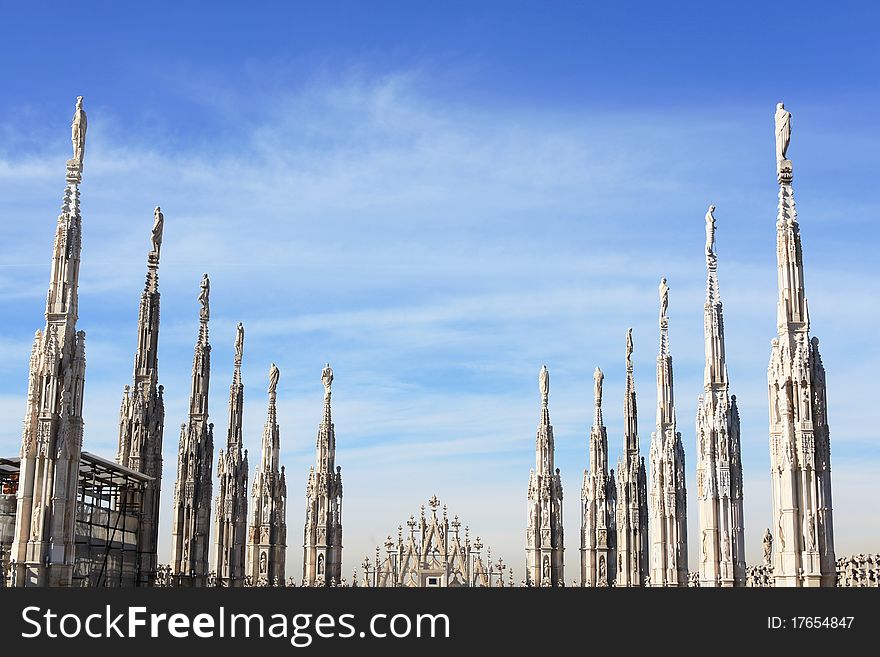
x,y
267,535
191,525
800,453
632,504
230,529
322,542
599,501
544,536
43,541
142,415
668,504
719,465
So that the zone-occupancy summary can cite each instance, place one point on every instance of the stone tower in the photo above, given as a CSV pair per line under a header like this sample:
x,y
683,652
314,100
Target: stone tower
x,y
599,500
800,451
719,466
43,542
544,536
322,541
668,503
191,519
632,493
142,414
230,529
267,535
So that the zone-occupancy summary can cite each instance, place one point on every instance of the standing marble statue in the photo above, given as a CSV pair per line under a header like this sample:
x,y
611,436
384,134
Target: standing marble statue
x,y
158,227
327,377
629,348
274,375
710,230
78,131
204,294
598,378
768,546
544,382
664,298
239,342
783,131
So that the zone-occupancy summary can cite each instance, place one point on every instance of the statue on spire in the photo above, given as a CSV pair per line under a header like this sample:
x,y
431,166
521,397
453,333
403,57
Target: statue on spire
x,y
78,132
239,343
158,226
629,349
664,298
783,132
598,377
327,378
544,383
204,294
274,375
710,230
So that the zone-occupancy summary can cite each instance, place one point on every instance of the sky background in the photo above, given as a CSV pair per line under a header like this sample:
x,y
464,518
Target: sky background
x,y
438,198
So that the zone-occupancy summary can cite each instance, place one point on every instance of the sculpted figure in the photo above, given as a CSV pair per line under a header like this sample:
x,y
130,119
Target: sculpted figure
x,y
544,382
810,522
710,230
158,226
204,294
629,348
598,377
274,375
78,131
327,377
239,342
768,545
664,298
783,131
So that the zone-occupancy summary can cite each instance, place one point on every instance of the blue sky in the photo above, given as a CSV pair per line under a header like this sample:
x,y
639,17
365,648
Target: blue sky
x,y
438,199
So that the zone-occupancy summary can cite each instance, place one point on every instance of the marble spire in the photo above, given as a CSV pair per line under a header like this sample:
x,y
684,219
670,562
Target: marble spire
x,y
632,493
43,542
322,540
142,413
800,451
191,514
544,535
719,465
267,533
230,529
599,501
668,497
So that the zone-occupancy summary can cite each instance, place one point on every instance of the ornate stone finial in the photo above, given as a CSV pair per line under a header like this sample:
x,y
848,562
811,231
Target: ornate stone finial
x,y
664,299
629,349
710,230
434,502
274,375
327,378
239,343
78,133
158,227
544,385
598,378
204,298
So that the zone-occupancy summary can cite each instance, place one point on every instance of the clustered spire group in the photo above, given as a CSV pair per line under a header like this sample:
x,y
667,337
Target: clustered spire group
x,y
633,526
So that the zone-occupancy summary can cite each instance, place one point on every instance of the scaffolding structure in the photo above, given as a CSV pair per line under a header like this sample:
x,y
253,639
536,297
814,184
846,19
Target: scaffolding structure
x,y
109,506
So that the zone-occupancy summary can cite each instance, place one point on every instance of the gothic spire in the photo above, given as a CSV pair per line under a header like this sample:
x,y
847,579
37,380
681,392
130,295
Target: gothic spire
x,y
142,414
800,453
43,541
668,508
544,536
232,473
192,495
322,540
267,534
